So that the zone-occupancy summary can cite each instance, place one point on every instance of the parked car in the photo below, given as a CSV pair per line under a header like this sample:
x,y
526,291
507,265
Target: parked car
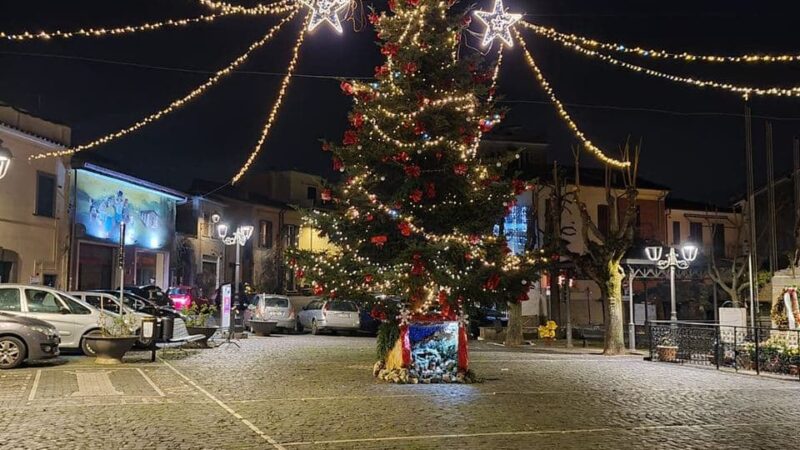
x,y
73,318
184,297
486,316
142,305
150,292
330,315
273,307
110,304
24,338
384,304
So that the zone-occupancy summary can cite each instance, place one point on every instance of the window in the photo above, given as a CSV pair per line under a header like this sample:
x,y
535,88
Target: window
x,y
343,306
206,226
676,232
45,195
42,302
719,239
74,306
311,193
696,233
265,234
9,299
274,302
291,233
96,301
603,219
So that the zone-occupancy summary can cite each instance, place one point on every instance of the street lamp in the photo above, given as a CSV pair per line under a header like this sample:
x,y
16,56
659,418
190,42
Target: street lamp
x,y
5,160
239,239
688,254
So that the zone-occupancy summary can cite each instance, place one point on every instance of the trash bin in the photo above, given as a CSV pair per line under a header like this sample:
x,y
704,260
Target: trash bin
x,y
166,328
148,331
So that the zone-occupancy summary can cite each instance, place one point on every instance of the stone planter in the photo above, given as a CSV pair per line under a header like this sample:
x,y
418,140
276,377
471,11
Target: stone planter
x,y
110,350
667,353
262,327
205,331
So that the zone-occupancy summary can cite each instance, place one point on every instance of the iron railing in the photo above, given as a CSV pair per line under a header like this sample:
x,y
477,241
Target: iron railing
x,y
762,350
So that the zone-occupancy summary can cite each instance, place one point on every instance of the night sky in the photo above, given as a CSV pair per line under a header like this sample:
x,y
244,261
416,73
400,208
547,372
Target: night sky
x,y
693,138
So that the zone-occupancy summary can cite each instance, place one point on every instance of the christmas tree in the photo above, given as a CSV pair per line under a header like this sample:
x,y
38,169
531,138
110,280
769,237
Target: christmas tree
x,y
414,214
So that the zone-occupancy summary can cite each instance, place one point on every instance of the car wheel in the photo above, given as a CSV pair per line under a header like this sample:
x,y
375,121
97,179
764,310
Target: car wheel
x,y
298,327
12,352
85,347
314,328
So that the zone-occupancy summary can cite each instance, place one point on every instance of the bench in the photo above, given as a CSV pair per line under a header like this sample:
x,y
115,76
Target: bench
x,y
590,333
180,335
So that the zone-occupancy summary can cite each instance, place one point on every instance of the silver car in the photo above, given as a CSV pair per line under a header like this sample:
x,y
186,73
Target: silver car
x,y
110,304
276,308
332,315
24,338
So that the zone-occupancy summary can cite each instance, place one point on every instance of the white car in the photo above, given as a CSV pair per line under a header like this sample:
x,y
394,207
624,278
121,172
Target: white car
x,y
277,308
330,315
110,304
73,318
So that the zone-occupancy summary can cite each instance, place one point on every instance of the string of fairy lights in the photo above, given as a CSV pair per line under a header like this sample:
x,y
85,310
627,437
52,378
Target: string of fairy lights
x,y
499,25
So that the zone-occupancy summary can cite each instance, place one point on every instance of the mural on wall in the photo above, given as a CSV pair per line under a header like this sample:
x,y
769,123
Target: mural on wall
x,y
103,203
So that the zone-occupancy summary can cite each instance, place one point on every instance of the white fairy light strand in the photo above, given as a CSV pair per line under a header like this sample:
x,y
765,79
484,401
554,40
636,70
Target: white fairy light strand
x,y
176,103
277,8
745,91
278,102
562,112
554,34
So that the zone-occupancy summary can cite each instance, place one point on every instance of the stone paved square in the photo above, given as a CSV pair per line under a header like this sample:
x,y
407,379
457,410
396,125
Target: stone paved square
x,y
303,391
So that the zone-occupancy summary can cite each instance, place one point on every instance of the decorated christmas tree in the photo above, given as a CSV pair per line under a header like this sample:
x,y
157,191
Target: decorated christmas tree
x,y
415,214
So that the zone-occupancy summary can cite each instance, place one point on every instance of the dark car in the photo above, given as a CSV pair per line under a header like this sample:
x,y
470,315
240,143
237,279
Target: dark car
x,y
143,305
486,317
151,292
25,338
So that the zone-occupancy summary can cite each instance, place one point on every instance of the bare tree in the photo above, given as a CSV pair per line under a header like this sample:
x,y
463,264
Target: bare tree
x,y
604,250
730,274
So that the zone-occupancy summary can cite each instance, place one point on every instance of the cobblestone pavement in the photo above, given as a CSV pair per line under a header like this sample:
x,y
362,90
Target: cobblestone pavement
x,y
298,392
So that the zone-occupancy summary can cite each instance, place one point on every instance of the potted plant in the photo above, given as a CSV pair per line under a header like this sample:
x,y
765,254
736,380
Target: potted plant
x,y
667,349
197,321
116,337
259,323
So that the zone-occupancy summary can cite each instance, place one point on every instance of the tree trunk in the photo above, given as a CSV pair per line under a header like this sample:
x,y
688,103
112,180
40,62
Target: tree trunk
x,y
514,329
614,316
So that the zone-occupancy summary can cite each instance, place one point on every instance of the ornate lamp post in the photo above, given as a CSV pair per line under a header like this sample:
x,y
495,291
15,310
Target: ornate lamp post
x,y
5,160
239,239
688,254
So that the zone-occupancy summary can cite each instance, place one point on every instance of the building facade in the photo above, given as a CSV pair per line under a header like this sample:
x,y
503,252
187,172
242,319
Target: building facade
x,y
34,225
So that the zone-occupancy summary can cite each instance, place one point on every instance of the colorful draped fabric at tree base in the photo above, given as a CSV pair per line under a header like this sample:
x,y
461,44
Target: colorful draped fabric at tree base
x,y
434,350
792,307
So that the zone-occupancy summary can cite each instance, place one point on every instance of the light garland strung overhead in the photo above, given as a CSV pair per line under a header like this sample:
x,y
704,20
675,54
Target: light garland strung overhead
x,y
276,107
552,33
196,92
278,8
745,91
562,112
498,23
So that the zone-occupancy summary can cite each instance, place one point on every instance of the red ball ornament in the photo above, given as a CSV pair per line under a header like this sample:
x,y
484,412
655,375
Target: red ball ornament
x,y
413,171
347,88
379,240
319,289
485,125
367,278
405,228
415,196
369,217
350,137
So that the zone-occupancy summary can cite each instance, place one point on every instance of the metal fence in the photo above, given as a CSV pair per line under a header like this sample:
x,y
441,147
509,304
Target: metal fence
x,y
761,350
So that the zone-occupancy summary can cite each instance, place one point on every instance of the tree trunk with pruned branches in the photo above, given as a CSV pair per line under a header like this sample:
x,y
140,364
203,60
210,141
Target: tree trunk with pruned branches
x,y
730,274
603,250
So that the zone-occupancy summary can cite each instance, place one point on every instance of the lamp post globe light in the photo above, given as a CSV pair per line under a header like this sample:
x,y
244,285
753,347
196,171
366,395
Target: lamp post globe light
x,y
5,160
239,238
672,261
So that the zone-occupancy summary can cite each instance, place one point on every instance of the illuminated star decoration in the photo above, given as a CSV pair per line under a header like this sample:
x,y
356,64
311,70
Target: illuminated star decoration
x,y
325,11
498,24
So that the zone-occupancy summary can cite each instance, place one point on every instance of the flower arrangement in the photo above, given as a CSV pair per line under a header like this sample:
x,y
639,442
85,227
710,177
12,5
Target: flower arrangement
x,y
548,330
197,316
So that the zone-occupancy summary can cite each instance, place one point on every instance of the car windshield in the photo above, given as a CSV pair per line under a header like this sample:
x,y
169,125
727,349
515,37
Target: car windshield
x,y
178,291
273,302
343,306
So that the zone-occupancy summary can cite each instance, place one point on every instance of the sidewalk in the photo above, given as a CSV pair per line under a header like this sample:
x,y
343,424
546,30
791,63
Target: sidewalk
x,y
557,346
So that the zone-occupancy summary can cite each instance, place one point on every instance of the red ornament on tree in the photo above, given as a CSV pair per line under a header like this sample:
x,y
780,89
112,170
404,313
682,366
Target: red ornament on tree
x,y
357,120
337,164
474,239
409,68
413,171
326,195
460,169
401,157
417,267
405,228
415,196
326,147
374,19
319,289
381,71
379,240
419,128
413,2
299,273
350,138
389,49
430,190
392,5
369,217
492,283
466,21
485,125
519,186
347,88
368,278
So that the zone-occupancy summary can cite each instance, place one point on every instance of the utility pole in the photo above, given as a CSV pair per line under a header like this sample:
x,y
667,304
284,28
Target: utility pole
x,y
773,238
751,198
